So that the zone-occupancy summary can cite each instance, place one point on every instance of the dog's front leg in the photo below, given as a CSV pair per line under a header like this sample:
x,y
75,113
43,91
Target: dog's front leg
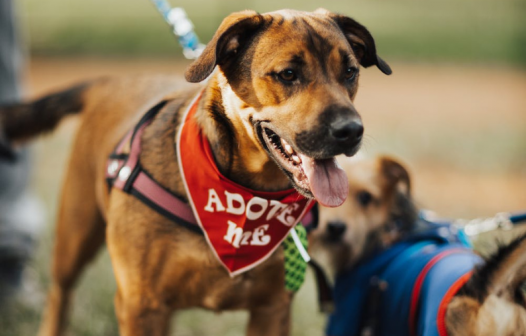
x,y
271,320
139,315
140,306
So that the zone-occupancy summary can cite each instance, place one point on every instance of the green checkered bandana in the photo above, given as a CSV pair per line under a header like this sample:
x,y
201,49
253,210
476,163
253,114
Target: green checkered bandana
x,y
295,265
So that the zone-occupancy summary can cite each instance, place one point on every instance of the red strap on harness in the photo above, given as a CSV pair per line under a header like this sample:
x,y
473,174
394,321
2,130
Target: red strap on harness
x,y
415,295
441,316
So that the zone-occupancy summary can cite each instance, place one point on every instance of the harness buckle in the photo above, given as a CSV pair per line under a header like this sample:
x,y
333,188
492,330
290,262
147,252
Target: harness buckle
x,y
124,173
113,167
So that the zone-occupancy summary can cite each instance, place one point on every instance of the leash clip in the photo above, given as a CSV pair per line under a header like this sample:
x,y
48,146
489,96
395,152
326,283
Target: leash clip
x,y
500,221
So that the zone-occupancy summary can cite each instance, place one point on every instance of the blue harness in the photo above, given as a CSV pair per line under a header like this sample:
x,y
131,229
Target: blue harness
x,y
400,291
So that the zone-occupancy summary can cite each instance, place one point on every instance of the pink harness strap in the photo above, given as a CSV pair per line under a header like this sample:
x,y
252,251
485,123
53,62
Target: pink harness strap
x,y
163,198
125,173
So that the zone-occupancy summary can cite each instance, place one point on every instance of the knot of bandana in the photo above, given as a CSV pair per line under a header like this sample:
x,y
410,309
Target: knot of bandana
x,y
295,265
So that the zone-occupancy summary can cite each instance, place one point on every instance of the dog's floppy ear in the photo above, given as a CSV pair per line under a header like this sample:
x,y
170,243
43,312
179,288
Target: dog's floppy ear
x,y
396,174
231,35
361,41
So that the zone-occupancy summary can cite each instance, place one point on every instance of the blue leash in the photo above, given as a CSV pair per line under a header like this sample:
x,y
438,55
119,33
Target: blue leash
x,y
518,218
182,27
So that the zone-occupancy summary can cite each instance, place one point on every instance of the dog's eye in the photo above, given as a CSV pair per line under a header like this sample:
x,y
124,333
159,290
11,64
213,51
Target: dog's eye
x,y
364,198
350,73
287,75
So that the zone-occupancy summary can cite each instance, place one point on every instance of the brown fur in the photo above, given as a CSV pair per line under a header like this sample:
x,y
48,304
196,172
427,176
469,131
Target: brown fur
x,y
159,266
490,303
368,226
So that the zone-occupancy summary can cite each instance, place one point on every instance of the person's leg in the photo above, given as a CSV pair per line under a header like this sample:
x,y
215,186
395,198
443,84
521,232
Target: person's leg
x,y
20,213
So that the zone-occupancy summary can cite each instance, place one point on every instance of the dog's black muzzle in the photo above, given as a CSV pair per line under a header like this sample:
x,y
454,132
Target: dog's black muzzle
x,y
339,131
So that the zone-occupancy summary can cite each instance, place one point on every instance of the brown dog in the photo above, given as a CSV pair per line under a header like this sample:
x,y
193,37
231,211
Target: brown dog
x,y
378,213
379,192
276,112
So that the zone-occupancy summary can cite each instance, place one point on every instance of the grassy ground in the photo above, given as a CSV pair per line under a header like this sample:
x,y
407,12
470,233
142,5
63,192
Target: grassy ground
x,y
453,30
461,131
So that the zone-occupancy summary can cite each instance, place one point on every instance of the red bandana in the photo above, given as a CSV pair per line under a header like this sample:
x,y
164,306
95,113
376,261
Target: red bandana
x,y
242,226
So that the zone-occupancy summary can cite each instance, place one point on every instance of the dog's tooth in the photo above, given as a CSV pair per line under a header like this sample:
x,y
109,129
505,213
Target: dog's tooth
x,y
296,159
288,149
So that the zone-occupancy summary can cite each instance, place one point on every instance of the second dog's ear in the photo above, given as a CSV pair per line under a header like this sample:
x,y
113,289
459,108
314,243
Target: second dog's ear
x,y
396,174
362,42
398,184
233,32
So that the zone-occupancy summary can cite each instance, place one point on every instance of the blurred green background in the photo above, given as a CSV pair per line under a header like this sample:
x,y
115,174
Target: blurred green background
x,y
454,111
451,30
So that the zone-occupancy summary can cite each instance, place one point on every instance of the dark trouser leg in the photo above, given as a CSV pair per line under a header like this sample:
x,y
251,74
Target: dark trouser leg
x,y
20,214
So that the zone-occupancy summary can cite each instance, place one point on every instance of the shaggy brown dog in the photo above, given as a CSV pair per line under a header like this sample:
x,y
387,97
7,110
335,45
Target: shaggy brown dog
x,y
379,191
276,112
491,302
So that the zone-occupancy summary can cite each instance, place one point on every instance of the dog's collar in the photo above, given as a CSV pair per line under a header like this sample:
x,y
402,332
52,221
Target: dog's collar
x,y
125,172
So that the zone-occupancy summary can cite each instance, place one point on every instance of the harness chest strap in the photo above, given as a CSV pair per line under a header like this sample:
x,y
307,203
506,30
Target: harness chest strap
x,y
125,172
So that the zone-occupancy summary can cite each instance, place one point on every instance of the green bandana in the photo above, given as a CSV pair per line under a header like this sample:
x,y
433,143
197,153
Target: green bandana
x,y
295,265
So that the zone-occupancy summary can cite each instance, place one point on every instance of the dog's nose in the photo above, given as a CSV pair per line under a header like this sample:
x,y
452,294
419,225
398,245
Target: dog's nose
x,y
336,229
338,130
344,130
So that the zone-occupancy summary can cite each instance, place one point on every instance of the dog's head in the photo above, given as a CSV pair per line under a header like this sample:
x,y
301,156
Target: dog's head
x,y
288,79
377,212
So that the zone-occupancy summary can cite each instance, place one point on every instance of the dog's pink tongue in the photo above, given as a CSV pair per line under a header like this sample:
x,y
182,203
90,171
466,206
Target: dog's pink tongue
x,y
327,180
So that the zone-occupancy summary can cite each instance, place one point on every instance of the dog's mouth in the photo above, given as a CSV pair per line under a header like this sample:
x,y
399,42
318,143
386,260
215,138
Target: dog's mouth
x,y
322,179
